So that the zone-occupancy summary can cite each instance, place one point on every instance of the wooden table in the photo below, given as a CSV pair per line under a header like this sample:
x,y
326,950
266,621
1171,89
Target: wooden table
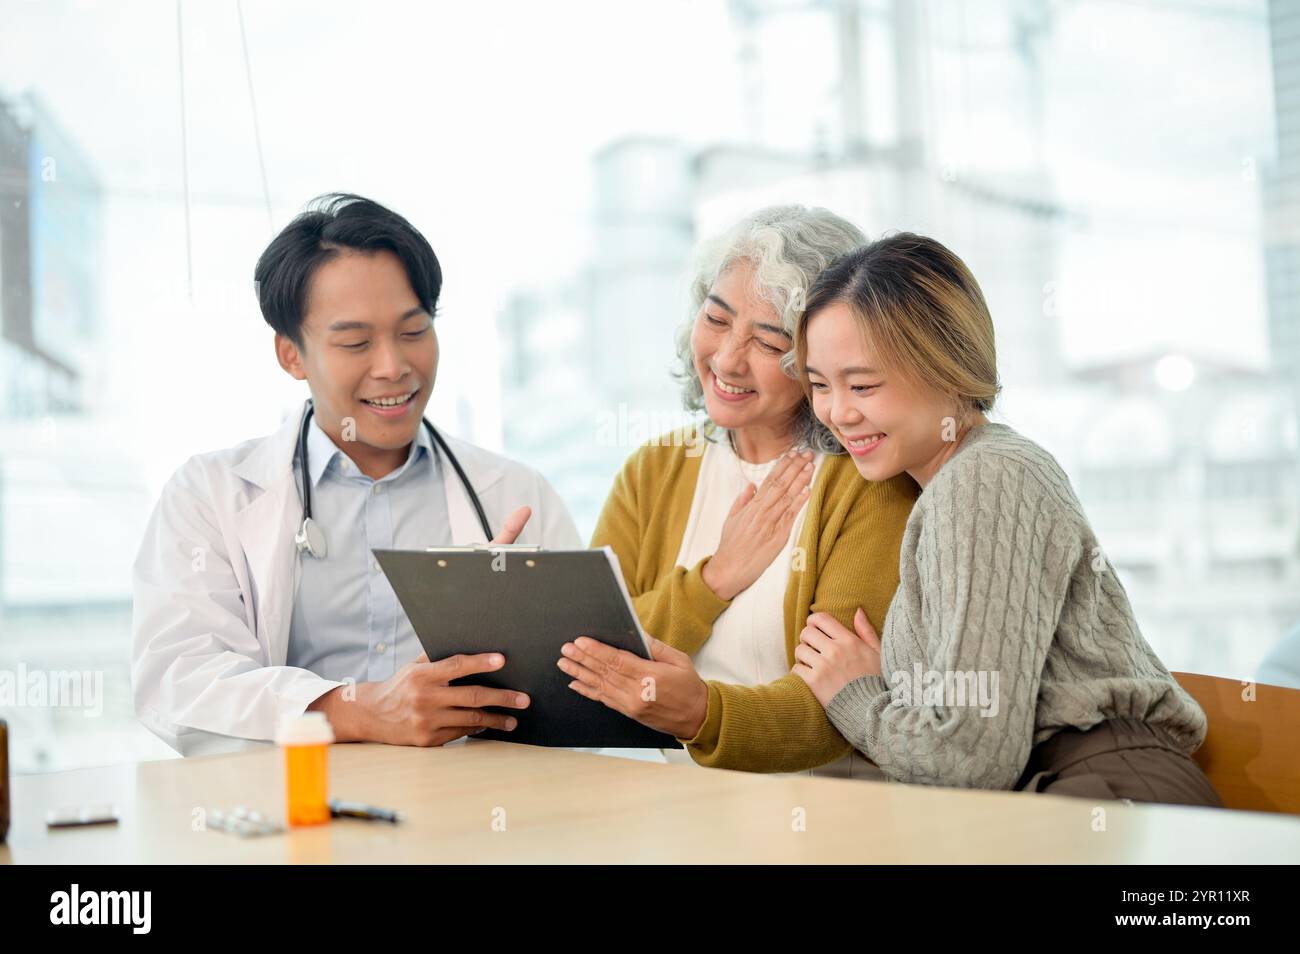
x,y
499,802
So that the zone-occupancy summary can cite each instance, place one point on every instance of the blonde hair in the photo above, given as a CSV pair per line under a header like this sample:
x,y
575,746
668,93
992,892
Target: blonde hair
x,y
922,312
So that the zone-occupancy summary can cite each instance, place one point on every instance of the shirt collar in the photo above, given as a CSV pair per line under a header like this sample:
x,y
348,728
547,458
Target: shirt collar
x,y
423,444
323,452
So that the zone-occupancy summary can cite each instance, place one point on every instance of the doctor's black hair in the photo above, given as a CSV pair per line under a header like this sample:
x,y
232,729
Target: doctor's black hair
x,y
330,225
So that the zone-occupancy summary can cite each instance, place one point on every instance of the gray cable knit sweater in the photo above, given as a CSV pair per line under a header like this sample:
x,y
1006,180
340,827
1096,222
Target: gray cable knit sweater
x,y
1008,625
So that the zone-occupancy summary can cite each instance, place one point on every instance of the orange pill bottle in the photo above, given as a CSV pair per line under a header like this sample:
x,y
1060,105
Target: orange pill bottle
x,y
305,740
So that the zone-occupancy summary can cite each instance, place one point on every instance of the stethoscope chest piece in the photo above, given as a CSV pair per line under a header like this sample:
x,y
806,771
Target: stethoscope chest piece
x,y
311,539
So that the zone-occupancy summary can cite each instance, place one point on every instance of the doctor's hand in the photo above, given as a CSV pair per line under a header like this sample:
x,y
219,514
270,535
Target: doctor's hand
x,y
514,526
418,707
664,693
758,526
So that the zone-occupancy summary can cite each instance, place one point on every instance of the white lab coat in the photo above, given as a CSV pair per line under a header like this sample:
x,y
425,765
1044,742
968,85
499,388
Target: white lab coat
x,y
216,575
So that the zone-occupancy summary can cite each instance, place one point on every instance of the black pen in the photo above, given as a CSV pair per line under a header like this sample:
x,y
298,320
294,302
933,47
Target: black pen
x,y
342,809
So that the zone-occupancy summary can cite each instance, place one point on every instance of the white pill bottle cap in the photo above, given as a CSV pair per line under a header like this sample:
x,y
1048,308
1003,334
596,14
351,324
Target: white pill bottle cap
x,y
310,728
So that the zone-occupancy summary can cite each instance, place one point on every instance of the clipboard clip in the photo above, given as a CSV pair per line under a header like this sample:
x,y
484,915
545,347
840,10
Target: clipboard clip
x,y
488,548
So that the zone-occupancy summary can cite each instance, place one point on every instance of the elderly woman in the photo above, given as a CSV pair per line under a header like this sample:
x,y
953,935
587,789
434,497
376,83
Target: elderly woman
x,y
1010,658
726,552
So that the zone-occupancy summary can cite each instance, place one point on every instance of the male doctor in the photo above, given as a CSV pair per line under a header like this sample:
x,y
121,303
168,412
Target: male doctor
x,y
241,617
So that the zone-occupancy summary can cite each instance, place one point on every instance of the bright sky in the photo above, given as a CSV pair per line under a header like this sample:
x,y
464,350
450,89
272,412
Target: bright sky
x,y
478,121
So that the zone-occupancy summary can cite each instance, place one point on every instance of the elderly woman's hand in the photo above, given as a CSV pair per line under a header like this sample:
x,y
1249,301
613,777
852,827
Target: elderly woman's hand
x,y
758,526
664,693
830,655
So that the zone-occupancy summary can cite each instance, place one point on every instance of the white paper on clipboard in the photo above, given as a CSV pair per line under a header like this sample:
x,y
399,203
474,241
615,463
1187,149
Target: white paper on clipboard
x,y
612,557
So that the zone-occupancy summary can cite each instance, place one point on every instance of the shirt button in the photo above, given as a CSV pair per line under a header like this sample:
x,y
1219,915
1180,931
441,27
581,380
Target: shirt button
x,y
374,565
380,647
378,488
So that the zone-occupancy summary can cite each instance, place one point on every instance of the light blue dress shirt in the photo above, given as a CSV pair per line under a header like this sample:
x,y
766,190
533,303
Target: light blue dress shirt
x,y
347,622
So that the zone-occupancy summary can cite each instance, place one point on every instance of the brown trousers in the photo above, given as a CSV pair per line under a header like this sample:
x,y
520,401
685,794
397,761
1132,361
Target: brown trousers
x,y
1116,759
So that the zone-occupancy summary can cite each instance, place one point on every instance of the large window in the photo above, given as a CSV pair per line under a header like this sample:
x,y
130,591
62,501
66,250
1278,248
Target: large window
x,y
1121,175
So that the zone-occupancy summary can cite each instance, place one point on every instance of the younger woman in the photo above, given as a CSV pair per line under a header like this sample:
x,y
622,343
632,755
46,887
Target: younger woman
x,y
1010,656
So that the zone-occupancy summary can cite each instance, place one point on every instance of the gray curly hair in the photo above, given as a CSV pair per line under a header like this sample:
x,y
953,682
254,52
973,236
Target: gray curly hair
x,y
788,246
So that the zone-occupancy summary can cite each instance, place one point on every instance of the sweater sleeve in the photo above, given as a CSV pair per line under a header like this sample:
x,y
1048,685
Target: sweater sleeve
x,y
776,727
780,726
679,608
980,602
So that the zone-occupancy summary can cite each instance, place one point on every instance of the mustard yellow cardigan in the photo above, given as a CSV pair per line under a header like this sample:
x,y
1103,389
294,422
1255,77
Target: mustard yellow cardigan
x,y
846,557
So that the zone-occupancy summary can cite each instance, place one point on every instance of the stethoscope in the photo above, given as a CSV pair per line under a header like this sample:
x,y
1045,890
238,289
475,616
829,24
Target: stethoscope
x,y
310,538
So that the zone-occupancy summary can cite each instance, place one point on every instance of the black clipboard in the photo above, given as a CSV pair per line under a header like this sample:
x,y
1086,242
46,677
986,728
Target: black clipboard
x,y
526,603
